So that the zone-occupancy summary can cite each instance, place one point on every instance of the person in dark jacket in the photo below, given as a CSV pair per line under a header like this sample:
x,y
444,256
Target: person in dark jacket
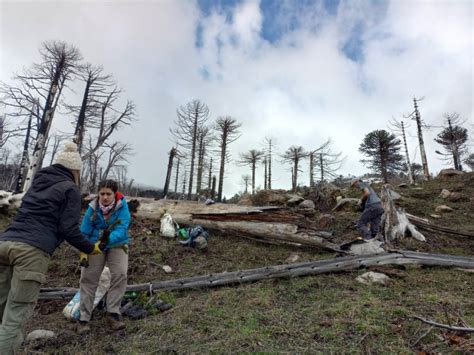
x,y
48,215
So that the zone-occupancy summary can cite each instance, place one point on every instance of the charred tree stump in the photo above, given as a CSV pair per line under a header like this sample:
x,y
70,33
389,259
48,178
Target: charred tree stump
x,y
395,223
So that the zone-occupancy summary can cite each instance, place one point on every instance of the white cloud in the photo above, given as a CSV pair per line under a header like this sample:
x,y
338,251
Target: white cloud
x,y
301,89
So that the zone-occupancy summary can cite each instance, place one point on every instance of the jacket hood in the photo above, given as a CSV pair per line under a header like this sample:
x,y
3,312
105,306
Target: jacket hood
x,y
50,176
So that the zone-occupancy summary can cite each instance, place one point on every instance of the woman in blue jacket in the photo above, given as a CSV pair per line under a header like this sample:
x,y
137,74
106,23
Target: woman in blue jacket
x,y
107,215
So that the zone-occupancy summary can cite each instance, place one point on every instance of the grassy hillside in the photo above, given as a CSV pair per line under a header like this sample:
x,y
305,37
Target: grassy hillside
x,y
328,313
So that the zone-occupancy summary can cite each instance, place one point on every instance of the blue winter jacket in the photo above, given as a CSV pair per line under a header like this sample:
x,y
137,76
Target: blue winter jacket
x,y
119,234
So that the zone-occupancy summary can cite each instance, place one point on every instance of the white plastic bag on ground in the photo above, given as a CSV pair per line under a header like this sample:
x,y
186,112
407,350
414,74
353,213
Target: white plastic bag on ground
x,y
72,309
167,228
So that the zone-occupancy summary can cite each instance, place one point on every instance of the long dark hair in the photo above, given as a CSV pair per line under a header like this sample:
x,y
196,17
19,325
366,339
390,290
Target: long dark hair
x,y
108,183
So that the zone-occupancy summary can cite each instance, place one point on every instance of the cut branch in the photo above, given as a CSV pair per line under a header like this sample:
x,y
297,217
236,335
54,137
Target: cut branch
x,y
445,326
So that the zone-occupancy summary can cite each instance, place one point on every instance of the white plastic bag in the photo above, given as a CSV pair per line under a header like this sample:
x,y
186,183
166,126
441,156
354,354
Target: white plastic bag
x,y
72,310
167,228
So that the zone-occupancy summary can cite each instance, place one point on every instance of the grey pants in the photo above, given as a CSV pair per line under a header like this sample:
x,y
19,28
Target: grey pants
x,y
371,215
22,271
117,261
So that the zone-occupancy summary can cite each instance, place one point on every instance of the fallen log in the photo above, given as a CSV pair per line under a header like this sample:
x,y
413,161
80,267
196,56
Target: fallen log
x,y
287,271
423,223
395,223
277,224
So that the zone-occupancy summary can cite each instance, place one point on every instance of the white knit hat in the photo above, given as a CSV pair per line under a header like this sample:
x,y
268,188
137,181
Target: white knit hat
x,y
69,157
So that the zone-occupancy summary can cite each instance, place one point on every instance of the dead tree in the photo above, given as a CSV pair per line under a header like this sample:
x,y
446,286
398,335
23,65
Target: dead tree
x,y
323,161
57,139
172,155
42,84
293,157
109,121
252,158
95,92
178,161
227,131
415,115
209,179
453,138
398,127
204,141
246,182
24,160
395,223
118,154
191,118
269,143
265,173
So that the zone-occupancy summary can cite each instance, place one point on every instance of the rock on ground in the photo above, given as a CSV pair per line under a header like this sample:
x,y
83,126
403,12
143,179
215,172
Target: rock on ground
x,y
40,334
443,208
371,277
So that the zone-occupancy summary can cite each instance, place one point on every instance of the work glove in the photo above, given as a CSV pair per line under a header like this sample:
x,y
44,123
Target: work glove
x,y
97,248
84,259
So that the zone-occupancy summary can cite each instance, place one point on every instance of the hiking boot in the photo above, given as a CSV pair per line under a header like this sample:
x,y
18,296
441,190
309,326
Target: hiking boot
x,y
83,327
113,321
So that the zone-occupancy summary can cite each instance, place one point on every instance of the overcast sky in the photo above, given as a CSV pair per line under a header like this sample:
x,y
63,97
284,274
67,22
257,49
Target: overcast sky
x,y
299,71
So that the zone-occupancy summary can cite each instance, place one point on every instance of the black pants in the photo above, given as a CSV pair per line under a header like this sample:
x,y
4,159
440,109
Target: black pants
x,y
371,215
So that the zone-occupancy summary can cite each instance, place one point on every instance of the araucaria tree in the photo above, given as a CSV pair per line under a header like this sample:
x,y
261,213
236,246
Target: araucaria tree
x,y
252,157
41,86
227,131
383,152
293,157
453,138
191,119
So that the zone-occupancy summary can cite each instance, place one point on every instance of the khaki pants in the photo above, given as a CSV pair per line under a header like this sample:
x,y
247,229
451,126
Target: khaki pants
x,y
22,271
117,261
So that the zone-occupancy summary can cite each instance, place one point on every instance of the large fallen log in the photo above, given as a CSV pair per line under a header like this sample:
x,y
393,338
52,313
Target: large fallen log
x,y
279,224
286,271
395,223
426,225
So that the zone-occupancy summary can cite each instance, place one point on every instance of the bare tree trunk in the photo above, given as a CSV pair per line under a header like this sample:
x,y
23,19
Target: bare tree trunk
x,y
410,170
209,181
265,163
321,166
200,167
221,169
184,184
213,190
39,149
253,178
311,169
80,125
24,159
177,176
395,223
172,154
424,161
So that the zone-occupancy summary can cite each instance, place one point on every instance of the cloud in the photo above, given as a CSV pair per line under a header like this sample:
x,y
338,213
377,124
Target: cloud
x,y
300,71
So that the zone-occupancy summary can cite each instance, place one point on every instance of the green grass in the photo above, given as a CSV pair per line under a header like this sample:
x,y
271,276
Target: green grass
x,y
328,313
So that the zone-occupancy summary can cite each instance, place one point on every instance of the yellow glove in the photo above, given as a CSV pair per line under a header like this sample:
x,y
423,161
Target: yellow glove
x,y
84,259
97,249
